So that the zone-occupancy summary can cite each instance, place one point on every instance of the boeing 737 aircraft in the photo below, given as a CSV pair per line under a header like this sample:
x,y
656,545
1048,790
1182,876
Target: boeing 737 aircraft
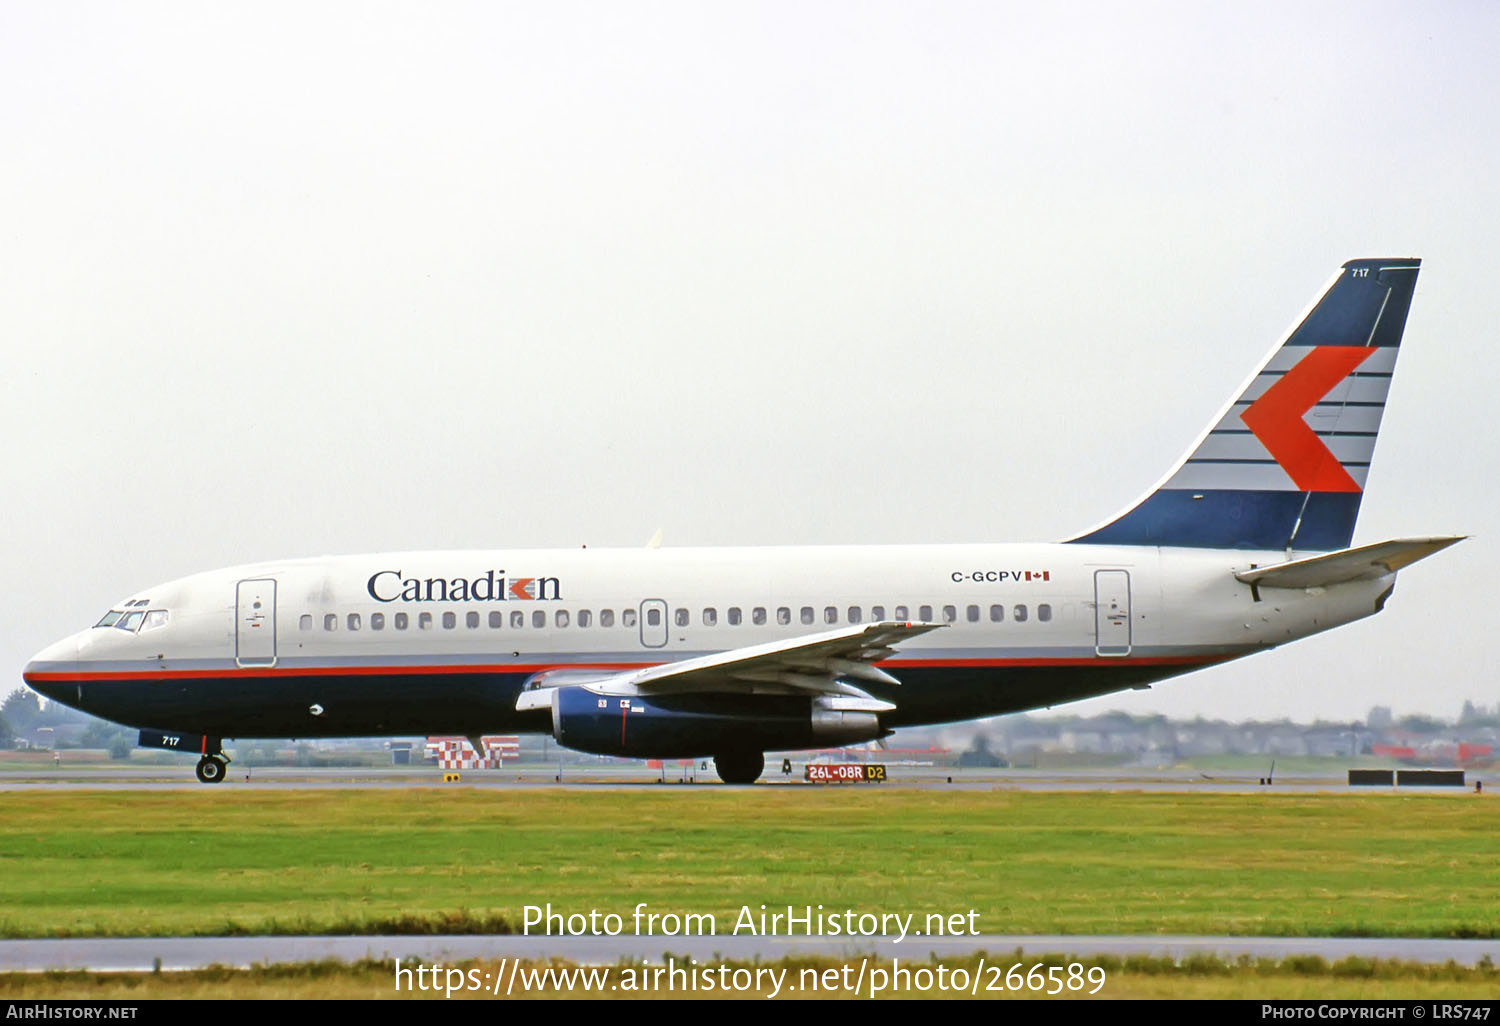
x,y
732,652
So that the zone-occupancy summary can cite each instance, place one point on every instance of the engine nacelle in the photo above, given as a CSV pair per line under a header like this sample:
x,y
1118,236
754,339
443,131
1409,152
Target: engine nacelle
x,y
844,727
694,725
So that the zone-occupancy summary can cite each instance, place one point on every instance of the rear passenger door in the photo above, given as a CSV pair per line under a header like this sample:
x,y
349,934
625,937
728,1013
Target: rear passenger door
x,y
1112,612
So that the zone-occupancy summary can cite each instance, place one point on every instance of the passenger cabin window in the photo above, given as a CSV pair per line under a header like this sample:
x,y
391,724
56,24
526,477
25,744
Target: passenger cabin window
x,y
304,622
734,616
653,617
471,620
680,617
807,614
497,619
997,613
830,614
758,616
627,618
331,622
972,614
1044,612
377,621
925,614
855,614
1019,614
585,618
877,613
783,615
561,619
517,619
354,621
710,617
606,618
950,614
450,621
538,619
401,621
902,614
424,621
154,619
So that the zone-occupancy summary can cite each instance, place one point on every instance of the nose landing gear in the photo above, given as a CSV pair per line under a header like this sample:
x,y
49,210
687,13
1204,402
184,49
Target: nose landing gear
x,y
211,769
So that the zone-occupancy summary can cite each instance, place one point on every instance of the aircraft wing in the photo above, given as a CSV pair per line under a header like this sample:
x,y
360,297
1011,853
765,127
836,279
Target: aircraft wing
x,y
1364,563
817,664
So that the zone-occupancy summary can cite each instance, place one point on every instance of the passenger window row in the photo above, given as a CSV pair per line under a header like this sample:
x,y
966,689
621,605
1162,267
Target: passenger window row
x,y
709,617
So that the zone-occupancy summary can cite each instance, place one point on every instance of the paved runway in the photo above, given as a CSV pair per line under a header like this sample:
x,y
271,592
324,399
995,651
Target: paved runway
x,y
180,778
179,953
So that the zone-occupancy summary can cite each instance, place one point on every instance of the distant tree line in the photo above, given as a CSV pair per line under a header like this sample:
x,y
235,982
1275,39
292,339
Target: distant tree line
x,y
22,712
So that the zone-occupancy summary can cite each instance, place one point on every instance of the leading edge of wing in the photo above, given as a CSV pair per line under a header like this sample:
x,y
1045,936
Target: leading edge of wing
x,y
809,663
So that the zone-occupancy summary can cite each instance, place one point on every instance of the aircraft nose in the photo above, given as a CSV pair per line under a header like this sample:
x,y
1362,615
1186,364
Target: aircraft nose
x,y
41,673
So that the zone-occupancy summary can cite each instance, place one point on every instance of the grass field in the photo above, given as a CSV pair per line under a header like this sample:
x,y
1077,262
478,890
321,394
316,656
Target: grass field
x,y
455,860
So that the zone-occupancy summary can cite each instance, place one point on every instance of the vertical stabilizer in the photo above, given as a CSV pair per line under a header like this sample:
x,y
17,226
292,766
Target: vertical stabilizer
x,y
1284,465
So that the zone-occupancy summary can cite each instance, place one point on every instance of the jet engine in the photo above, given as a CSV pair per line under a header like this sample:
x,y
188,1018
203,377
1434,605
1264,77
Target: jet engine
x,y
690,725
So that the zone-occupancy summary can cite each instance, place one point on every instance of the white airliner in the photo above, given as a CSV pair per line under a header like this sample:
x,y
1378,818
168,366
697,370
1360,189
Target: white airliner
x,y
732,652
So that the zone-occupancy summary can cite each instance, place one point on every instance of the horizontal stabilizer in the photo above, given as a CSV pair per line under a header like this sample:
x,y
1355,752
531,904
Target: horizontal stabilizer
x,y
1362,564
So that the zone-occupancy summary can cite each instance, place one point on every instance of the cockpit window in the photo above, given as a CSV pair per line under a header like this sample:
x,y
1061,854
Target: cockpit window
x,y
130,621
154,618
109,618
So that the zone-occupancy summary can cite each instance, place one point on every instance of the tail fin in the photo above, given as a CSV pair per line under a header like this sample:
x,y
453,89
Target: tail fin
x,y
1284,464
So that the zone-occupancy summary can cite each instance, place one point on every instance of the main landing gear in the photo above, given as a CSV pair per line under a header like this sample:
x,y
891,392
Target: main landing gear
x,y
211,769
739,767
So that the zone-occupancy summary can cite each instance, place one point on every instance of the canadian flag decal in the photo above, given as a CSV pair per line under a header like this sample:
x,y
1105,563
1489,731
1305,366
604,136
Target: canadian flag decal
x,y
1276,418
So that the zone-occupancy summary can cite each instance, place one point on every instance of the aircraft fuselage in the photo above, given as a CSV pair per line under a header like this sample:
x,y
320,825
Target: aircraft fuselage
x,y
446,642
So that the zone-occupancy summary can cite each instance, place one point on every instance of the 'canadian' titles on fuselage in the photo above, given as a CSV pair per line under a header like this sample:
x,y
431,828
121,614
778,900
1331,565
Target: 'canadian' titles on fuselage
x,y
493,586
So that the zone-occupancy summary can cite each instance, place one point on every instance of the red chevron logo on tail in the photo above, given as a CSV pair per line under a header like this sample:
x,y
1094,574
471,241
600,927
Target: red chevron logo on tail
x,y
1276,418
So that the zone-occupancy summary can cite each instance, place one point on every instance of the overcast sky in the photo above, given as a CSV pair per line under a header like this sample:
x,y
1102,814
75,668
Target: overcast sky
x,y
283,279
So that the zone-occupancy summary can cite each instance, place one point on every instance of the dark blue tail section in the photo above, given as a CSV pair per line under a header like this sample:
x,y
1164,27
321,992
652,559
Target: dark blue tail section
x,y
1284,466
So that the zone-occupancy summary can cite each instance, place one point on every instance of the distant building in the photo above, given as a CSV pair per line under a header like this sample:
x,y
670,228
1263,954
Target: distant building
x,y
979,756
458,753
